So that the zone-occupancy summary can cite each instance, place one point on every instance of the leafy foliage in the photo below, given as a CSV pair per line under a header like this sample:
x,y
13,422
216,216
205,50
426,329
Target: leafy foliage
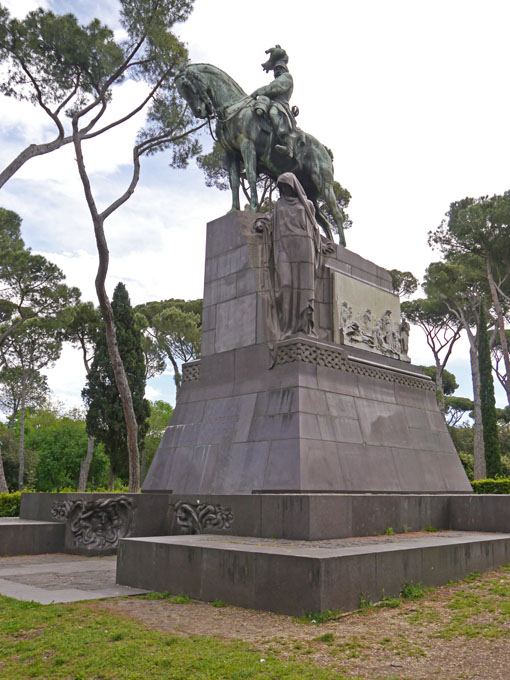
x,y
31,287
176,328
457,408
498,486
60,442
404,283
105,418
10,504
488,401
160,414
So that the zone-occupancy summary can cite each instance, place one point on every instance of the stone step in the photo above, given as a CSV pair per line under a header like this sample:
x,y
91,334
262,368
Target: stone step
x,y
30,537
299,577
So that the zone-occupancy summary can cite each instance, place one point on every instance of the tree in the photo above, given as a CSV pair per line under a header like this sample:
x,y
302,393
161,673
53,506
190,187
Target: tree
x,y
498,360
81,331
176,328
459,284
404,283
56,64
442,330
105,420
481,228
448,380
11,394
160,414
456,409
29,349
59,439
487,400
31,287
150,53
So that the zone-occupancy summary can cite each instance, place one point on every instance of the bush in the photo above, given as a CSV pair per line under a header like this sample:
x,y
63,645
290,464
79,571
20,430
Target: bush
x,y
467,460
9,504
499,486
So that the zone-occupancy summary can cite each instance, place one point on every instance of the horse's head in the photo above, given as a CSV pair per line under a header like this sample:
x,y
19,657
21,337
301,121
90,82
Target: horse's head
x,y
192,89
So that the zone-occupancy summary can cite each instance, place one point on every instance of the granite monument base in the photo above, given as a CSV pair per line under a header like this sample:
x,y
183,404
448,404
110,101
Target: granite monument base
x,y
82,523
304,577
302,553
305,413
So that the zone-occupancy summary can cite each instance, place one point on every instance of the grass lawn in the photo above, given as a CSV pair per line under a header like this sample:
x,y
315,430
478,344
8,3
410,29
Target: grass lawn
x,y
79,643
458,631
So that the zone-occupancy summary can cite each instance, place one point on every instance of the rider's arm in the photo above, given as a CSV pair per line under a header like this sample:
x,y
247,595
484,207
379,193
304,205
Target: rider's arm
x,y
279,85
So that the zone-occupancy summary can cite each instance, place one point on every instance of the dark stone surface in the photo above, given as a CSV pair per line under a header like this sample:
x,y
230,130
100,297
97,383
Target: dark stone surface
x,y
29,537
323,418
145,515
295,577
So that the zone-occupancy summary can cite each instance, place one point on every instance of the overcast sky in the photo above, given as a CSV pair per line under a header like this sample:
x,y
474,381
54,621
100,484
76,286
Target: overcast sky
x,y
411,96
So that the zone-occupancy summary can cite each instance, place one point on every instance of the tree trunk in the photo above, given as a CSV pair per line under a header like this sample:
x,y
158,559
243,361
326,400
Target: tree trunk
x,y
3,483
177,375
501,326
106,309
439,386
31,151
21,470
85,465
144,463
120,380
480,470
111,480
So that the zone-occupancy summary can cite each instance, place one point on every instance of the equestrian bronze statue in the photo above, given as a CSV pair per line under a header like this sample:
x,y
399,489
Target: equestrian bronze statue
x,y
259,131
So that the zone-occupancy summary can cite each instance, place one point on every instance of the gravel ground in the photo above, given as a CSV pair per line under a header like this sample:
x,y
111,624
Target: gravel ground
x,y
457,631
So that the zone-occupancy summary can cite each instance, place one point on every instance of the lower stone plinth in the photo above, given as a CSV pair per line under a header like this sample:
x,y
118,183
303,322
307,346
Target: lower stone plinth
x,y
90,523
308,517
299,577
30,537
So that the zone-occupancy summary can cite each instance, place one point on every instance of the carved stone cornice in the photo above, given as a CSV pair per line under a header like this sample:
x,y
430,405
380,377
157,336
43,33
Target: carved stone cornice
x,y
301,349
322,354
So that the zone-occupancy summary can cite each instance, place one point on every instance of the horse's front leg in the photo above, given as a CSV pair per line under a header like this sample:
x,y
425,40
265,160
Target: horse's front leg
x,y
233,174
250,165
331,202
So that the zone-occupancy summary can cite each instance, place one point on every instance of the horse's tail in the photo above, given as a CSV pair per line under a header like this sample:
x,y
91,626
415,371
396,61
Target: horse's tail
x,y
322,220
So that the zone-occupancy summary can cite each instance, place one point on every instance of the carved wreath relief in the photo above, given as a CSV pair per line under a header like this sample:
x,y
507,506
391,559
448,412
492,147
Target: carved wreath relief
x,y
96,524
195,518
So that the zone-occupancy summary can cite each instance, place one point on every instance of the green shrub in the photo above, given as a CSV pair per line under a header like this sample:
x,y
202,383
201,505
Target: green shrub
x,y
467,461
9,504
499,486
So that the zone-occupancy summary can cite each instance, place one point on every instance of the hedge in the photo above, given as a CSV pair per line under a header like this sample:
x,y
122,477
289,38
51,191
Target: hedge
x,y
9,504
501,486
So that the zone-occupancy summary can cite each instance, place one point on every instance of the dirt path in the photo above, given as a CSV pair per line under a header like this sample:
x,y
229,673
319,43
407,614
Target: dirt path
x,y
458,631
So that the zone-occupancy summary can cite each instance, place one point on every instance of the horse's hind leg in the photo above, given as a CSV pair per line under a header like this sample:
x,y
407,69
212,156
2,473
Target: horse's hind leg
x,y
250,165
233,174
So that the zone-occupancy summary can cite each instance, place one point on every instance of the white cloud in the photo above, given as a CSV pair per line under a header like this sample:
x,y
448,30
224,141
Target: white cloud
x,y
19,8
409,97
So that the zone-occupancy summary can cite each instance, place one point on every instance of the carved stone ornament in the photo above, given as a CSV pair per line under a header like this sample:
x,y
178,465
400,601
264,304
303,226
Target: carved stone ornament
x,y
96,524
310,352
367,316
191,371
383,335
196,518
60,510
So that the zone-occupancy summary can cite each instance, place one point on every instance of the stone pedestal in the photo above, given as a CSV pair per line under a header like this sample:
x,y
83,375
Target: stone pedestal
x,y
281,454
303,415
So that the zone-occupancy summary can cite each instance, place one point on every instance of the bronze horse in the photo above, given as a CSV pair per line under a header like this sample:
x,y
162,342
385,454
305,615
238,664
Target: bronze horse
x,y
249,138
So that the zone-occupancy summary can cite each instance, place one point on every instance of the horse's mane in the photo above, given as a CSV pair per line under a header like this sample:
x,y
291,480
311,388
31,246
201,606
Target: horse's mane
x,y
215,71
